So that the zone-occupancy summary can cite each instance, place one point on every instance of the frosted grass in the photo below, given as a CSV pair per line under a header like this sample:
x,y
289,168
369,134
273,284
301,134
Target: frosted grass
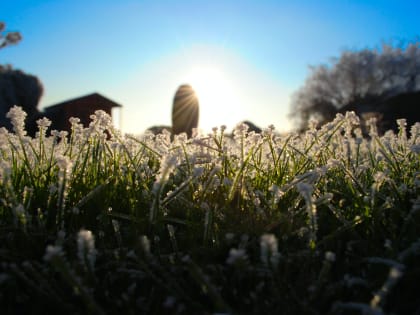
x,y
239,213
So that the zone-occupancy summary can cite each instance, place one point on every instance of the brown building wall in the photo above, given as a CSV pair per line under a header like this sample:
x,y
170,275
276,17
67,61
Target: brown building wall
x,y
81,108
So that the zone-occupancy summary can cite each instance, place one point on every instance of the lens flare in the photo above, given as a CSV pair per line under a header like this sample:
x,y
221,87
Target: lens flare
x,y
219,104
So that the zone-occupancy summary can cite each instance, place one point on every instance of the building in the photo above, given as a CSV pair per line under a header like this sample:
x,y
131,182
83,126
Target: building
x,y
82,107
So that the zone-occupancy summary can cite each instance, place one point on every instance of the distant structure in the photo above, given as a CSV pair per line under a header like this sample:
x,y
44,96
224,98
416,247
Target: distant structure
x,y
159,129
82,107
185,111
251,126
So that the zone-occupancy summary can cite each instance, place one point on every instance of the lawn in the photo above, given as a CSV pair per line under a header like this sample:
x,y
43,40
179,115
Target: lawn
x,y
99,222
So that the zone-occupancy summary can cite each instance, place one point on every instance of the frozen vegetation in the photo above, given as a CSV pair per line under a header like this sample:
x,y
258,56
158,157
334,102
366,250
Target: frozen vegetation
x,y
324,222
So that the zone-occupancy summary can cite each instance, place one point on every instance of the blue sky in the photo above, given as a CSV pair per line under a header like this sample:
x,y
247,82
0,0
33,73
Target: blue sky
x,y
246,57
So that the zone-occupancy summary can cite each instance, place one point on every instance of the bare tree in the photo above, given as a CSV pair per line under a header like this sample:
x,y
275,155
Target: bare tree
x,y
366,77
8,38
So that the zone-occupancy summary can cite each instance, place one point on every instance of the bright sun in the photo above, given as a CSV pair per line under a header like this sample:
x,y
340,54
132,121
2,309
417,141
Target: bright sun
x,y
218,99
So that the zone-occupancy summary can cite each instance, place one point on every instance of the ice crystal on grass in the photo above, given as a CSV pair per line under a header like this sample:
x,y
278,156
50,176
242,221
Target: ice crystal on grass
x,y
236,255
167,166
86,251
64,164
269,252
329,187
240,131
4,138
378,299
277,193
379,178
145,244
330,256
17,117
306,191
53,251
43,123
5,170
101,121
20,213
402,124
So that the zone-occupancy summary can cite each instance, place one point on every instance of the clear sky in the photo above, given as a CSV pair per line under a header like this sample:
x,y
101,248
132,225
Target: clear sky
x,y
244,58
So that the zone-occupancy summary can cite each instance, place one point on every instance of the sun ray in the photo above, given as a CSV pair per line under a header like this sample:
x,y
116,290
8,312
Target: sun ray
x,y
219,104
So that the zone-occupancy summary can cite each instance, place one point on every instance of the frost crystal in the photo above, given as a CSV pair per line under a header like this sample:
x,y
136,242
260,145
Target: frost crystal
x,y
86,247
53,251
101,121
64,163
145,244
330,256
17,118
43,122
277,193
269,249
167,166
236,255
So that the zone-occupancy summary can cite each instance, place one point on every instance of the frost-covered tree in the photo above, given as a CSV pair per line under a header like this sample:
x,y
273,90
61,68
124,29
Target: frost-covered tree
x,y
366,77
8,38
22,89
17,87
